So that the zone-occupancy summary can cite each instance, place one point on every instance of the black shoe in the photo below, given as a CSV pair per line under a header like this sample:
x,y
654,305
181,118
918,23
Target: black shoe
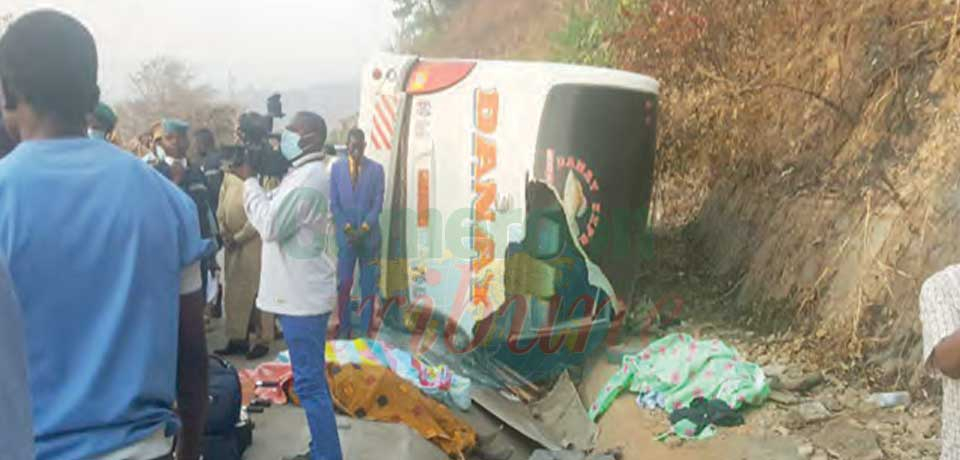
x,y
234,348
258,351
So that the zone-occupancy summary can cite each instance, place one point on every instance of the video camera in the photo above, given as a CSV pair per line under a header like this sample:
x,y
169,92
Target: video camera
x,y
254,130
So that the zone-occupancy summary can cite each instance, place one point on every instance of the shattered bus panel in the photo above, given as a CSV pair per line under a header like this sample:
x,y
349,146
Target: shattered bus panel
x,y
518,197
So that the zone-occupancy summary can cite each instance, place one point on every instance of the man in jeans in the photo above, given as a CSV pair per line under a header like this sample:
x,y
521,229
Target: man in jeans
x,y
104,257
298,276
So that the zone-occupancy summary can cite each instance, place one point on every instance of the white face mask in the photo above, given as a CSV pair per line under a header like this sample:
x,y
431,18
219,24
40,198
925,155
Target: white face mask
x,y
96,134
161,153
290,145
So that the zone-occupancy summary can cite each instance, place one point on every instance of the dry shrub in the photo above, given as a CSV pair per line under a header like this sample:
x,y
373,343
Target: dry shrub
x,y
789,139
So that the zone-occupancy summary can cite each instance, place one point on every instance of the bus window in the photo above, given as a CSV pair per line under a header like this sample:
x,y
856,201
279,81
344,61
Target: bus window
x,y
596,148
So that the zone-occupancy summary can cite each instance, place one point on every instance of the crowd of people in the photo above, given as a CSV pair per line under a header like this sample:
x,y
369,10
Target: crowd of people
x,y
111,260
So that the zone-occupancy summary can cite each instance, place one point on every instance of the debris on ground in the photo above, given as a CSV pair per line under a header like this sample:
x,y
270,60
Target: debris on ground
x,y
267,382
393,441
542,454
889,400
515,384
782,397
557,421
842,438
802,384
924,428
810,412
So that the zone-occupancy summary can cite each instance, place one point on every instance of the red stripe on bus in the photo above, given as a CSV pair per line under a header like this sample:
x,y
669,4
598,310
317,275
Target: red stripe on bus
x,y
391,107
386,122
378,131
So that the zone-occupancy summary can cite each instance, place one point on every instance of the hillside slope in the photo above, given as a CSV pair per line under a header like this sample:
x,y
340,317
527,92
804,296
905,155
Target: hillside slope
x,y
817,140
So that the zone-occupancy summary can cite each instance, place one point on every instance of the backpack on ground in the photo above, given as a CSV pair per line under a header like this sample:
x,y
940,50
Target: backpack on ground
x,y
226,437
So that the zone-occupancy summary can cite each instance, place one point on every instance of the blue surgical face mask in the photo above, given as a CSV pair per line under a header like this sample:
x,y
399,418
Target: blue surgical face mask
x,y
96,134
290,145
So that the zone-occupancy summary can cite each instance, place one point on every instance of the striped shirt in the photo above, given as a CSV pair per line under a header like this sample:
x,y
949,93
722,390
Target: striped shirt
x,y
940,315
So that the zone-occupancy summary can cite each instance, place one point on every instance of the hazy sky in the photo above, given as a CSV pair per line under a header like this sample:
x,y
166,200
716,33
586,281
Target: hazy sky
x,y
269,44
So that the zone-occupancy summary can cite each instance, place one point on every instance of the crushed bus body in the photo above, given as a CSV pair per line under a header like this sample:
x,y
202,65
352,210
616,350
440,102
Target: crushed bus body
x,y
518,201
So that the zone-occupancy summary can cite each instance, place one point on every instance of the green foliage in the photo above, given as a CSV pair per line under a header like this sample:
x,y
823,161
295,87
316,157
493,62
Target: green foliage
x,y
589,30
418,19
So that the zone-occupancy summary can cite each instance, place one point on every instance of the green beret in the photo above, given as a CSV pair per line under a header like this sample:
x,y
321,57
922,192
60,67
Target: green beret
x,y
105,115
174,126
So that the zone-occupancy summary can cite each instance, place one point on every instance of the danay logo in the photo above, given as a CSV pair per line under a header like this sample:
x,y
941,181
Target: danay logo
x,y
483,216
580,190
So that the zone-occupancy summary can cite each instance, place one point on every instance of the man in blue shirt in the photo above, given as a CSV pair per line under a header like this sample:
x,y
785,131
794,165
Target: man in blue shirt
x,y
16,427
103,253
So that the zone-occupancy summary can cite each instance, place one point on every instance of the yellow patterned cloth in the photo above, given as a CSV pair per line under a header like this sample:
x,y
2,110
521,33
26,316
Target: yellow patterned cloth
x,y
373,392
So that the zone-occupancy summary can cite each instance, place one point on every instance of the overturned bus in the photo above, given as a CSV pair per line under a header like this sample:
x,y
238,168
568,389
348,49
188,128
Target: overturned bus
x,y
516,208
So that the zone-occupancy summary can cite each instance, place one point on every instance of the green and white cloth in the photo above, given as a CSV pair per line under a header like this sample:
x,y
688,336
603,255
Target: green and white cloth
x,y
681,369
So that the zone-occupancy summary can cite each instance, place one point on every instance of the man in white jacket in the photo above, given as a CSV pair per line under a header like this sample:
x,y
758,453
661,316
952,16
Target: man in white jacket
x,y
298,277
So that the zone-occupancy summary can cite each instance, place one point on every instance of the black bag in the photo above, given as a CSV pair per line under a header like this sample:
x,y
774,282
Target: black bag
x,y
225,438
228,446
225,397
221,447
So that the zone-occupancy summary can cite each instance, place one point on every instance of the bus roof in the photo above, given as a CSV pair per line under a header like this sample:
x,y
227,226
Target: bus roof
x,y
571,73
589,75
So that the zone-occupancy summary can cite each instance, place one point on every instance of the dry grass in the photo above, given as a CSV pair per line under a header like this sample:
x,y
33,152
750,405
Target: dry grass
x,y
790,136
498,29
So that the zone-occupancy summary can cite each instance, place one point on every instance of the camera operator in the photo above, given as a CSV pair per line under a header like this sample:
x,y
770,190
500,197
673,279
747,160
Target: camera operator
x,y
254,132
298,276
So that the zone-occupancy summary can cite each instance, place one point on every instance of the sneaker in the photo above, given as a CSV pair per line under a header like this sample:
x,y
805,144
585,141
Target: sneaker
x,y
234,348
258,351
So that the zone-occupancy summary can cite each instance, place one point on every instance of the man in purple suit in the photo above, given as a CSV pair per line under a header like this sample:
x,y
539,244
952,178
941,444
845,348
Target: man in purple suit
x,y
356,199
